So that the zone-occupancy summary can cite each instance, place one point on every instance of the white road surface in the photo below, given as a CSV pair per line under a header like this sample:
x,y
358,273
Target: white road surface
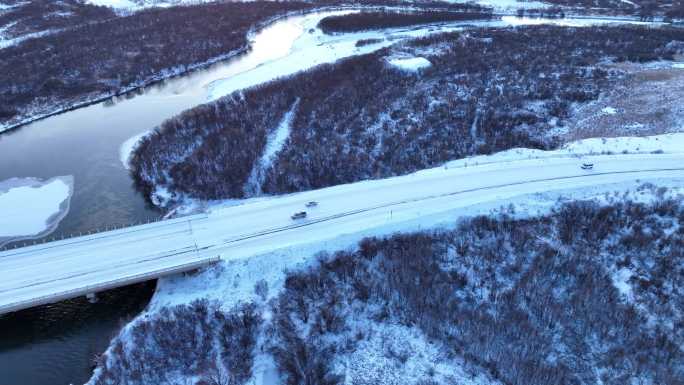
x,y
54,271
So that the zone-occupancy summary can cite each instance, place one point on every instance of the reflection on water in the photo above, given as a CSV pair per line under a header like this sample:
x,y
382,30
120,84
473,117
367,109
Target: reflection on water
x,y
56,344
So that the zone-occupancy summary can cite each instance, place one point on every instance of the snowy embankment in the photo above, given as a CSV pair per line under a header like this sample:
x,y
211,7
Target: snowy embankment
x,y
129,146
31,208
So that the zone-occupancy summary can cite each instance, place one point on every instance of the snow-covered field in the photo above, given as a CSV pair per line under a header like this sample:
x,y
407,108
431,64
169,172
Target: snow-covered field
x,y
32,208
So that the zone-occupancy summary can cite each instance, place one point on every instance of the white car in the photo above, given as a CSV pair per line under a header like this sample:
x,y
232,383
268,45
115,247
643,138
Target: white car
x,y
587,166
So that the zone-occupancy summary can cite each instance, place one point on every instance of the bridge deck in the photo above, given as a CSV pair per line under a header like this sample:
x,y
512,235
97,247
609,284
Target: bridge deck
x,y
54,271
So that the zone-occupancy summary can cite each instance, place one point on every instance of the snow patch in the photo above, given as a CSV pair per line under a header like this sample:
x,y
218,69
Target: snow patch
x,y
413,64
621,282
275,142
678,65
609,110
31,208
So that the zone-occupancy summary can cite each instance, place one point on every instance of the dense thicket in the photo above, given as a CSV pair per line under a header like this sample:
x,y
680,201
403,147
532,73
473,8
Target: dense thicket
x,y
25,17
197,341
487,90
388,19
588,295
97,59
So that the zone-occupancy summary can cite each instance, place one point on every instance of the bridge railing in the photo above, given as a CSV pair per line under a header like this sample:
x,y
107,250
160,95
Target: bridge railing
x,y
39,240
106,285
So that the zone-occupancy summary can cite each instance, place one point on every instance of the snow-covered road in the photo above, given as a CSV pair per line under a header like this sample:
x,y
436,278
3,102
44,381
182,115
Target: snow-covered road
x,y
68,268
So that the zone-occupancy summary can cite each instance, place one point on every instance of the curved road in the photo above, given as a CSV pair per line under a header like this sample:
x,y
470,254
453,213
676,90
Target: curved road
x,y
54,271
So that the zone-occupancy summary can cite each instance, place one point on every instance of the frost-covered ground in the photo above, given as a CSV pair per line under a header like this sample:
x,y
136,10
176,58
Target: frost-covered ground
x,y
31,208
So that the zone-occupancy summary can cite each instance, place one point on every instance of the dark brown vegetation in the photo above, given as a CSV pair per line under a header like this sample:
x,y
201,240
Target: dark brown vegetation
x,y
196,340
92,60
387,19
487,90
525,308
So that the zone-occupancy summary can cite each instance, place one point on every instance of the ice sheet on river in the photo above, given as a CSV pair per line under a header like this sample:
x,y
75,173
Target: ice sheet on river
x,y
31,208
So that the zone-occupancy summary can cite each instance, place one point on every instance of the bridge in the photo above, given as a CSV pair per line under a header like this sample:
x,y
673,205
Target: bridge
x,y
54,271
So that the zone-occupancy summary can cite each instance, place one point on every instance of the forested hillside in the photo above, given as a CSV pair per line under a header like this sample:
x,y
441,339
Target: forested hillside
x,y
485,91
590,294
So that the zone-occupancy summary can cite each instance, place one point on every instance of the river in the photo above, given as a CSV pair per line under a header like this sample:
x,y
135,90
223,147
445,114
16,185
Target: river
x,y
55,344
